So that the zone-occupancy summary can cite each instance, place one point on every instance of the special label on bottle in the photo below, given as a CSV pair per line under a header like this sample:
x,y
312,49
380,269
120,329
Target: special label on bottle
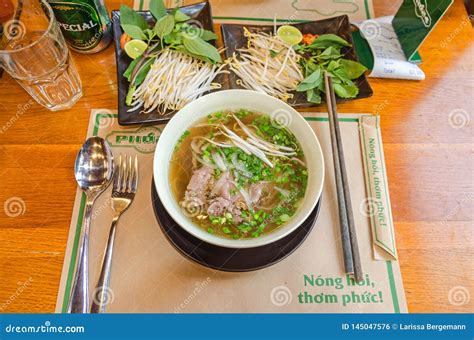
x,y
80,23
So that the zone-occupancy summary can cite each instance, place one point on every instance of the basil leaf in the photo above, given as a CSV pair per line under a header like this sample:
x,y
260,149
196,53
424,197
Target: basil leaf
x,y
131,18
207,35
183,50
302,87
313,96
326,40
128,72
346,90
341,74
150,34
174,38
164,26
321,87
157,8
312,81
199,47
192,31
179,16
313,77
333,64
330,53
134,31
353,68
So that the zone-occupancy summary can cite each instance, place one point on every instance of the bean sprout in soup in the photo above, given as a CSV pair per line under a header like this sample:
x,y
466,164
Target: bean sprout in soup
x,y
238,174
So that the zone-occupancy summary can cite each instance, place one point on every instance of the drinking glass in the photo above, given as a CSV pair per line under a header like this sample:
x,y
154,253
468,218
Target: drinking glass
x,y
34,52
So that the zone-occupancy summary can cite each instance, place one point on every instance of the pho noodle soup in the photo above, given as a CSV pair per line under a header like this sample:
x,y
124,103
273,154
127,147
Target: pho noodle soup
x,y
238,174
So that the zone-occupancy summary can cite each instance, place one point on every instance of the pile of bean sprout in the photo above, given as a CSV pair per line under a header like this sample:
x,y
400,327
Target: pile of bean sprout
x,y
174,80
267,65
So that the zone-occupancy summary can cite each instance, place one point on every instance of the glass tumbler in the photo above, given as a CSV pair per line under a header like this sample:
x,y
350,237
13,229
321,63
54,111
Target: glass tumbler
x,y
34,53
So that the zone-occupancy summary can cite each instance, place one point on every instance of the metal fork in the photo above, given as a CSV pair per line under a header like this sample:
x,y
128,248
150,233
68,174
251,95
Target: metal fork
x,y
125,187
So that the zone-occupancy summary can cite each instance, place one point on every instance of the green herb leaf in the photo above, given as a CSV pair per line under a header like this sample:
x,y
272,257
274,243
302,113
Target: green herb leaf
x,y
134,31
341,74
326,40
150,34
164,26
157,8
207,35
333,64
179,16
353,68
313,77
174,38
199,47
131,18
330,53
312,81
192,32
182,49
301,87
313,96
346,90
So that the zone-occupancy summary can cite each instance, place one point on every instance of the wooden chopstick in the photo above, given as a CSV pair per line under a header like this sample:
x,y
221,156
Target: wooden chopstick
x,y
352,262
344,224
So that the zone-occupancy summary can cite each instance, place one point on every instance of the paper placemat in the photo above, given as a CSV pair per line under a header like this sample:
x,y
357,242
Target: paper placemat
x,y
149,275
249,11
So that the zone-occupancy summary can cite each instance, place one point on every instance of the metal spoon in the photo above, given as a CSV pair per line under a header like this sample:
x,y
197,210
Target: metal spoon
x,y
94,172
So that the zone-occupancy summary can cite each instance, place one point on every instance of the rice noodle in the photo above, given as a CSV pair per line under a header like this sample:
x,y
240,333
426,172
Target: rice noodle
x,y
256,151
247,198
202,161
240,167
174,80
269,151
259,140
252,145
195,145
298,160
222,145
219,161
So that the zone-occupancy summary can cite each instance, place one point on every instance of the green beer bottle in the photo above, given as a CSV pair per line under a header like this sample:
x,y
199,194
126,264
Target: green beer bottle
x,y
85,24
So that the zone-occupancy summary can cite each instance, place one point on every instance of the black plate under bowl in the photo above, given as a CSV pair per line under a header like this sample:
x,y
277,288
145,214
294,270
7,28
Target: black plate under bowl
x,y
200,12
228,259
233,37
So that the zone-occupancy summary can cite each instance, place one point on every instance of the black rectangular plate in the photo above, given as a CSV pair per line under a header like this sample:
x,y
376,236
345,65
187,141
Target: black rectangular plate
x,y
200,12
233,37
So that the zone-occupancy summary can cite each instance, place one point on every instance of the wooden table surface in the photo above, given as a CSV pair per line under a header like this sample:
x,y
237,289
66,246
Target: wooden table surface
x,y
428,142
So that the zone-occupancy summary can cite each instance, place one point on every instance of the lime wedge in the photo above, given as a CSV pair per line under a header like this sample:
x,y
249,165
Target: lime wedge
x,y
289,34
135,48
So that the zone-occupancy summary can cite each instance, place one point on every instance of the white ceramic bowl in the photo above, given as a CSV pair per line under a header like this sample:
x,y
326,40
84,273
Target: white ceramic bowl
x,y
234,100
